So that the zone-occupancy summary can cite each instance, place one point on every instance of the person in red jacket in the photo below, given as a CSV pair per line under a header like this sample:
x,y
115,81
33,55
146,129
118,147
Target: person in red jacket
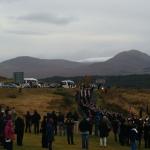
x,y
9,135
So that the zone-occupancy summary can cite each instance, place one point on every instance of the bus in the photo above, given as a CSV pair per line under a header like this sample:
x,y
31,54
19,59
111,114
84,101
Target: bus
x,y
68,84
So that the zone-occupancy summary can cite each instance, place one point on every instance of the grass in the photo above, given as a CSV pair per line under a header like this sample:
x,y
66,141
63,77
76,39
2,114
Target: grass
x,y
45,100
33,142
128,98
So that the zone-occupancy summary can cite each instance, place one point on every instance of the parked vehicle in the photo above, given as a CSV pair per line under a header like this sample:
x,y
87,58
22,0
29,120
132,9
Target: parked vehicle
x,y
68,84
9,85
31,83
55,85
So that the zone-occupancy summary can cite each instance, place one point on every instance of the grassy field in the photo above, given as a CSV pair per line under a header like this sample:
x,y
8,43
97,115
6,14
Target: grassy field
x,y
122,100
33,142
45,100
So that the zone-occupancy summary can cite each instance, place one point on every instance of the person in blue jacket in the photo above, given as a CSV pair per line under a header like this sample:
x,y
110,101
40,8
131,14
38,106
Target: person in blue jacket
x,y
133,138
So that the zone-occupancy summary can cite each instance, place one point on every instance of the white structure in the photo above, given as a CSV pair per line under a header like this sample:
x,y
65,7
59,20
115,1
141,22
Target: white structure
x,y
68,84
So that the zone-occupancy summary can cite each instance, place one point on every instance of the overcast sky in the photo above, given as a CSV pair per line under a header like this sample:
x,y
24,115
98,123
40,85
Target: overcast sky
x,y
73,29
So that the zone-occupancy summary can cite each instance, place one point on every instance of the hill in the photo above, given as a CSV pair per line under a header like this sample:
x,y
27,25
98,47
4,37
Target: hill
x,y
39,67
124,63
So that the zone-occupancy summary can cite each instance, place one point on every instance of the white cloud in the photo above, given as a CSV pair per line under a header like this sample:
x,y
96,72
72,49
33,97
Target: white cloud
x,y
98,59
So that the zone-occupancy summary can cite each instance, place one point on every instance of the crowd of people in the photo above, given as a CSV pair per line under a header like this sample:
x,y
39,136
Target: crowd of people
x,y
90,120
12,125
127,129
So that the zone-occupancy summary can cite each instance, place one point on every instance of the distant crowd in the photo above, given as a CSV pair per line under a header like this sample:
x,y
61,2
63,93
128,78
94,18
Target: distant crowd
x,y
89,121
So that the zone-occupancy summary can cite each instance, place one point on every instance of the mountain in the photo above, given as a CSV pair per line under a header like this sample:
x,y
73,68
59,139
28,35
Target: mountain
x,y
35,67
127,62
124,63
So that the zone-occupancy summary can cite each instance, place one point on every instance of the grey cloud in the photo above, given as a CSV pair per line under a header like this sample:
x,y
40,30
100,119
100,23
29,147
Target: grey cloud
x,y
8,1
23,32
47,18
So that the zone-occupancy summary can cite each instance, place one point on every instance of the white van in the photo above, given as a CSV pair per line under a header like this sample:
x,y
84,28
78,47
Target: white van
x,y
68,84
31,82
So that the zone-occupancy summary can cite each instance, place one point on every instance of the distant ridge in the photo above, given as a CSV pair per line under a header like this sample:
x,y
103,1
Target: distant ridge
x,y
124,63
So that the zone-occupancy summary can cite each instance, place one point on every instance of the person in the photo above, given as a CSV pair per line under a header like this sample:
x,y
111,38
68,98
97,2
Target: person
x,y
9,135
70,128
19,130
43,130
122,132
133,138
140,130
28,120
36,121
147,133
61,124
2,125
84,129
104,128
115,126
54,116
76,121
50,133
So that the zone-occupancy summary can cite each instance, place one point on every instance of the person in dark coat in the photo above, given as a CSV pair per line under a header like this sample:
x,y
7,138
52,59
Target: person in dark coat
x,y
19,130
50,133
84,127
133,136
28,121
61,124
36,121
115,126
147,134
122,133
43,130
104,129
140,131
70,128
54,116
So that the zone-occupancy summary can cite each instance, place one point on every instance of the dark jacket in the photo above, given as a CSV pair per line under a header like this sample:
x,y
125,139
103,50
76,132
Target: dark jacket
x,y
84,126
104,127
50,131
19,125
69,125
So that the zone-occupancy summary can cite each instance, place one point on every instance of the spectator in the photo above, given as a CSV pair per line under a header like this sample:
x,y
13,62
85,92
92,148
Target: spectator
x,y
70,128
28,121
61,124
50,133
36,121
84,129
54,116
19,130
133,138
147,133
104,128
9,135
43,130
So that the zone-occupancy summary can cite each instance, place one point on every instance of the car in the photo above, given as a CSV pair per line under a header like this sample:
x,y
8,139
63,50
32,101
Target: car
x,y
54,85
9,85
